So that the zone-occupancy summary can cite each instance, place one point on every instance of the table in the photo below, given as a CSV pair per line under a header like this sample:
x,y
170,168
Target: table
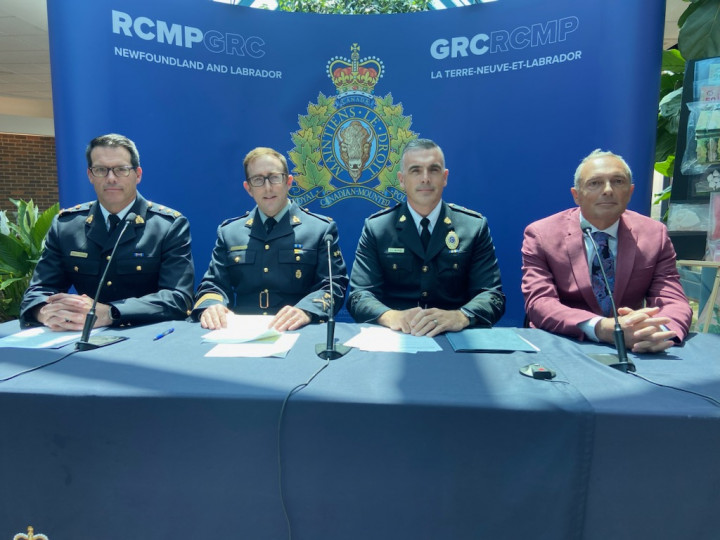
x,y
150,439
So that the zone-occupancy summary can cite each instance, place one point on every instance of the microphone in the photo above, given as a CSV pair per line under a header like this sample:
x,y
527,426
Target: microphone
x,y
623,364
330,350
87,343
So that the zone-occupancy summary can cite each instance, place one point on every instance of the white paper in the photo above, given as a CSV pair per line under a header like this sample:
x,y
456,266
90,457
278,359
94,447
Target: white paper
x,y
382,339
242,328
273,346
39,337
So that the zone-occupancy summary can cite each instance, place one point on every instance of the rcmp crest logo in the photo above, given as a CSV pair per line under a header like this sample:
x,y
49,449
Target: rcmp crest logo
x,y
349,145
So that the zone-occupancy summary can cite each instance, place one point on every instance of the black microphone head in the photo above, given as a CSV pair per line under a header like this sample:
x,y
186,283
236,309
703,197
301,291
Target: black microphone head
x,y
131,216
585,226
328,238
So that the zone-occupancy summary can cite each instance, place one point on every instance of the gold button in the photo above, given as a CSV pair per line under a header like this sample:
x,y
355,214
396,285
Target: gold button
x,y
267,246
265,270
107,258
109,283
455,266
424,293
297,258
138,268
76,269
424,268
394,266
237,259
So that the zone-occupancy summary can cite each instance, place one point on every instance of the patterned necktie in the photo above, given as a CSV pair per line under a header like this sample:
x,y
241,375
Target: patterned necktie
x,y
608,262
425,234
269,224
113,220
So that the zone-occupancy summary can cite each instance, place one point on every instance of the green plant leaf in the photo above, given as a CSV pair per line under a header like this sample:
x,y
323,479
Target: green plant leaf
x,y
699,35
666,167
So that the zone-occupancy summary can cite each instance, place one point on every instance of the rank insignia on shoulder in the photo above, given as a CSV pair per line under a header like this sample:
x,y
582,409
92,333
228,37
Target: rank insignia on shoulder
x,y
296,219
447,220
451,240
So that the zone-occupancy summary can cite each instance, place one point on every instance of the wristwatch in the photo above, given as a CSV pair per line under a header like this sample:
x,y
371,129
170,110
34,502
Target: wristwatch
x,y
471,318
114,313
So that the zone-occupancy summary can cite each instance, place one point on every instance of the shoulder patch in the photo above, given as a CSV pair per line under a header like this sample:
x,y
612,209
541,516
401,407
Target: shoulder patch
x,y
232,219
82,207
464,210
164,210
385,211
326,219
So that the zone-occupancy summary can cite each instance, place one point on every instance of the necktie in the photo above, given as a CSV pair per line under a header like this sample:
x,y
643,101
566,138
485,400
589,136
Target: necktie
x,y
113,220
269,224
425,234
608,262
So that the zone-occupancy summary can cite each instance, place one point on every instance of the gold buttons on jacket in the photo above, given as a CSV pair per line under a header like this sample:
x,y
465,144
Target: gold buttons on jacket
x,y
424,268
267,246
138,268
266,270
109,284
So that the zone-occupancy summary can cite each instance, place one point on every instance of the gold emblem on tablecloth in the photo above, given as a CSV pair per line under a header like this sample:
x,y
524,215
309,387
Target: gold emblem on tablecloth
x,y
451,240
30,535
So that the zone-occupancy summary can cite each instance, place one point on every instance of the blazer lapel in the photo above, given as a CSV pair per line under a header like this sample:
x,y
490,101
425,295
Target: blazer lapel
x,y
625,259
578,260
407,233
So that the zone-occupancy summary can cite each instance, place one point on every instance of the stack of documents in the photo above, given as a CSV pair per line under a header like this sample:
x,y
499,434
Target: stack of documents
x,y
381,339
249,336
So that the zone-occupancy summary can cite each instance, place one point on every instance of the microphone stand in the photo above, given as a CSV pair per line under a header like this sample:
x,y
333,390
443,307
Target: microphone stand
x,y
86,343
623,364
330,350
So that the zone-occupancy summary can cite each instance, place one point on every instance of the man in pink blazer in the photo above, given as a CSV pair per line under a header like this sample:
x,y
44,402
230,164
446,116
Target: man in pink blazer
x,y
557,257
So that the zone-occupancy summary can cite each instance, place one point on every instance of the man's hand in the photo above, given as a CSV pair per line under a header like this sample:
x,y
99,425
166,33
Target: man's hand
x,y
214,317
67,312
289,318
642,330
424,322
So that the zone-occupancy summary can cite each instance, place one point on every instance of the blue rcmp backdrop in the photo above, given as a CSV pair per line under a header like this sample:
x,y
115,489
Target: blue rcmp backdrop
x,y
516,92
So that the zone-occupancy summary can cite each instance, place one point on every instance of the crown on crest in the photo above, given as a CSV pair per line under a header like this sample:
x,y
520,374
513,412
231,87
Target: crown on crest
x,y
355,75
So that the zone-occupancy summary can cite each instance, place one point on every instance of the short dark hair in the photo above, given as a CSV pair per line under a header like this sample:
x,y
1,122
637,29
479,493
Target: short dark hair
x,y
114,140
420,144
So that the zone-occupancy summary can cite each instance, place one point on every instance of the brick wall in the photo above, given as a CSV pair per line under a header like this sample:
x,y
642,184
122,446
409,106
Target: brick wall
x,y
27,170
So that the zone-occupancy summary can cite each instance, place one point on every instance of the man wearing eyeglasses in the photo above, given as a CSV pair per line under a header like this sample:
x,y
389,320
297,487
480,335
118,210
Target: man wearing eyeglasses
x,y
272,260
151,278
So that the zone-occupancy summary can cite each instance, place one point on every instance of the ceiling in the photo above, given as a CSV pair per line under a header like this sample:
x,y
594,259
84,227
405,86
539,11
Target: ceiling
x,y
25,93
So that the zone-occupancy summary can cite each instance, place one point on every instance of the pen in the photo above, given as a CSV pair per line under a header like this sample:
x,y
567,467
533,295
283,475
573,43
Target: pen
x,y
165,333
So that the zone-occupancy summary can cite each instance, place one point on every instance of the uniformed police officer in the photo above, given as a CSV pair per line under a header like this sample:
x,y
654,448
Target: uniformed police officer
x,y
425,266
152,275
274,259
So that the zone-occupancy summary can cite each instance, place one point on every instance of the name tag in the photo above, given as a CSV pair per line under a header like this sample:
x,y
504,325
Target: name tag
x,y
80,254
396,250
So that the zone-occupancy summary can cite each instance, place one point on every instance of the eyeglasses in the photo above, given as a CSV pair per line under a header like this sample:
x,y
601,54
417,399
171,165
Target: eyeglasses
x,y
102,172
259,180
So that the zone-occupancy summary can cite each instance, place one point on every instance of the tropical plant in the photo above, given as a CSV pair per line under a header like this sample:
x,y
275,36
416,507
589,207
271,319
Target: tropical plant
x,y
21,243
354,7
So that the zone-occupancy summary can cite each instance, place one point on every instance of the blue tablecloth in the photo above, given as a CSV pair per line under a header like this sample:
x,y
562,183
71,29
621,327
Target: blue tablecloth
x,y
151,439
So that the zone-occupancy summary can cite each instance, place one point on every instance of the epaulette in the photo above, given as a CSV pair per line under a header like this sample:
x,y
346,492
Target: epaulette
x,y
230,220
384,211
82,207
326,219
465,210
164,210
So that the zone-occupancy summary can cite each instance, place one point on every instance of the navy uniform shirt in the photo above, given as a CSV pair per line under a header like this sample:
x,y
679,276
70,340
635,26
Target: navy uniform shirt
x,y
459,270
253,272
151,278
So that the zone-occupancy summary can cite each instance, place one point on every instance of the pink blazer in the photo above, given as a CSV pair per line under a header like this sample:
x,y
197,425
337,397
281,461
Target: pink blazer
x,y
556,278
